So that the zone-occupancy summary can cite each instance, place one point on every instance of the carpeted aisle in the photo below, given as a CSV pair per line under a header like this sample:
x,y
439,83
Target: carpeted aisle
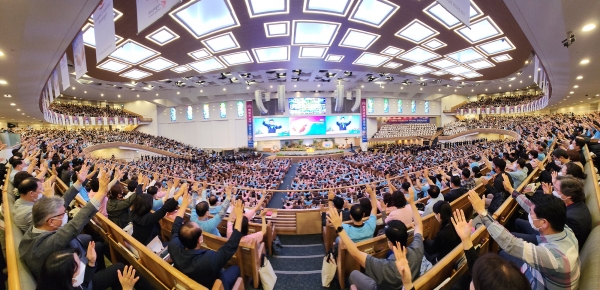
x,y
287,181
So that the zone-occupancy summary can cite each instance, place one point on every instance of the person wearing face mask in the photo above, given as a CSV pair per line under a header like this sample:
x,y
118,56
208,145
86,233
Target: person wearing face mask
x,y
30,190
577,144
446,238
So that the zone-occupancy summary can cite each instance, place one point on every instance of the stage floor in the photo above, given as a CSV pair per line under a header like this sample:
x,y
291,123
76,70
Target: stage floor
x,y
337,153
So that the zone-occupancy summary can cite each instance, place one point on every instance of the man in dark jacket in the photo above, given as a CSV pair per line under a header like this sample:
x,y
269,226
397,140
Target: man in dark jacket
x,y
456,190
497,187
204,266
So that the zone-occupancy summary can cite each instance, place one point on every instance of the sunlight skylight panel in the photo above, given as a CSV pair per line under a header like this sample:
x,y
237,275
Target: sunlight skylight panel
x,y
200,54
457,70
495,46
441,15
418,55
133,53
135,74
359,39
501,58
331,7
206,65
162,36
334,57
457,78
416,32
113,66
236,58
417,70
202,18
439,73
434,44
257,8
371,59
480,30
373,12
311,32
277,29
392,51
158,64
312,52
466,55
272,53
221,43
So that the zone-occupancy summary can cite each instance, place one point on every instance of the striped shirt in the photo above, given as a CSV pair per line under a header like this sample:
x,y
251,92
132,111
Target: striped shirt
x,y
553,264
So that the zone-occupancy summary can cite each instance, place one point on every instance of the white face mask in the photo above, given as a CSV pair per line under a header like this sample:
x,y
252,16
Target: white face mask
x,y
571,147
531,223
560,173
65,219
78,280
557,162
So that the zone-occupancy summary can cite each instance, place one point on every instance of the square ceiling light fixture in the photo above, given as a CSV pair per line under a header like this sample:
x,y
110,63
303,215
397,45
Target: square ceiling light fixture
x,y
202,18
418,55
113,66
257,8
277,29
89,36
392,51
443,63
181,69
495,46
416,32
207,65
457,78
434,44
502,57
116,15
373,12
392,65
480,64
334,57
471,75
371,59
236,58
331,7
135,74
457,70
480,30
439,13
439,73
200,54
312,52
220,43
158,64
359,39
310,32
272,53
133,53
417,70
466,55
162,36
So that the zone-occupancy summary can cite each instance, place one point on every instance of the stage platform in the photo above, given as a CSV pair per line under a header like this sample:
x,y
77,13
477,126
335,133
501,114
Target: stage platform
x,y
297,155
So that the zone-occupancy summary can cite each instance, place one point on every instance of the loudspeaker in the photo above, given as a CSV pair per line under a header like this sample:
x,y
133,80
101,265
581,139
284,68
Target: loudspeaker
x,y
339,98
281,98
259,102
357,100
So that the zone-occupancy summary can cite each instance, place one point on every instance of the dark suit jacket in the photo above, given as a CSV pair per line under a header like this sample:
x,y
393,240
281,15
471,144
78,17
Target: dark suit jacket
x,y
444,242
203,266
579,220
146,227
497,189
454,194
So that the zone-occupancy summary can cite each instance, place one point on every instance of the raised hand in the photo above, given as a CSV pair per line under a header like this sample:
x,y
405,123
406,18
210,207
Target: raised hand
x,y
547,188
91,254
461,226
477,202
402,265
506,182
127,278
334,218
49,186
83,173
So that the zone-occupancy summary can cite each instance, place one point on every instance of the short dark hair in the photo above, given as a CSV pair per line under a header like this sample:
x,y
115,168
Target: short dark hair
x,y
533,153
142,204
28,184
492,272
212,200
19,177
579,143
405,185
57,270
552,209
245,225
433,191
396,231
571,187
365,203
521,163
152,190
94,184
201,208
455,180
115,191
398,199
575,170
338,202
466,173
477,171
500,163
560,153
132,185
356,212
189,235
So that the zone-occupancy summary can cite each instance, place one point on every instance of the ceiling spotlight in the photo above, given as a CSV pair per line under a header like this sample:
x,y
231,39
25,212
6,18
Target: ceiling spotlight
x,y
178,93
297,71
588,27
447,85
138,96
362,86
224,89
579,77
200,82
584,61
575,86
3,82
18,110
7,96
102,95
348,73
247,88
521,82
520,72
571,92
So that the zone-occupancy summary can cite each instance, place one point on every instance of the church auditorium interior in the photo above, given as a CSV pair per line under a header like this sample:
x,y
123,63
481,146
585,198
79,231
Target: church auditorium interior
x,y
299,144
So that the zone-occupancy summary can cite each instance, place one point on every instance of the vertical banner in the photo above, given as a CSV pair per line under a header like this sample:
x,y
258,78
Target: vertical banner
x,y
249,124
459,9
64,72
363,119
79,56
55,83
148,11
49,87
104,30
536,65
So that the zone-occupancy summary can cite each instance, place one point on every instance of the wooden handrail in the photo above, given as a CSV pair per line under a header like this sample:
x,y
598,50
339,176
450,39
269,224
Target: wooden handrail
x,y
11,255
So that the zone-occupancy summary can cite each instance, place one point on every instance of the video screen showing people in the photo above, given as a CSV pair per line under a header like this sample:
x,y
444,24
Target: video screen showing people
x,y
343,124
310,125
271,127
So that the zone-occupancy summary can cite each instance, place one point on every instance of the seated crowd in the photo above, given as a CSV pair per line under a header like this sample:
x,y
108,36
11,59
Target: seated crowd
x,y
89,111
491,101
405,130
537,252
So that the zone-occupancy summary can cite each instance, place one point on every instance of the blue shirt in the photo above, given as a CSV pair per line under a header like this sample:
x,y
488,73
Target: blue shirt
x,y
210,225
364,232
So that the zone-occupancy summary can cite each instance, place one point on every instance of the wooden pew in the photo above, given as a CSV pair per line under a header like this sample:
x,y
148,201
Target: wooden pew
x,y
376,247
591,188
590,252
444,271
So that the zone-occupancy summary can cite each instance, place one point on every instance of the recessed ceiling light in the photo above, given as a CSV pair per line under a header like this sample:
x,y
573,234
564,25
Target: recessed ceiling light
x,y
3,82
133,53
18,110
418,55
457,79
480,30
501,58
116,15
257,8
417,70
439,73
271,53
584,61
334,57
579,77
371,59
162,36
443,63
331,7
200,54
7,96
466,55
313,32
457,70
207,65
13,104
220,43
480,64
359,39
392,51
277,29
119,96
392,65
571,92
237,58
102,95
575,86
434,44
158,64
495,46
312,51
197,20
1,53
521,82
135,74
440,14
181,69
416,32
372,12
471,75
588,27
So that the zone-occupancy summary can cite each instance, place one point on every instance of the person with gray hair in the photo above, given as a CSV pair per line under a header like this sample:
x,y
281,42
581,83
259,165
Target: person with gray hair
x,y
52,231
